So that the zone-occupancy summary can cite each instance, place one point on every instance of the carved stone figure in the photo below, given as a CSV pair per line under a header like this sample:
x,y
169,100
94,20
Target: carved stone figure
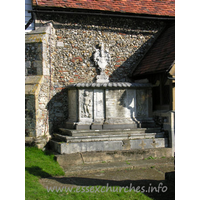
x,y
86,104
102,59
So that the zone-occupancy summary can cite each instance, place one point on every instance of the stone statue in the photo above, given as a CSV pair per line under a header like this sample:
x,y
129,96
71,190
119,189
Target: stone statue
x,y
102,59
86,104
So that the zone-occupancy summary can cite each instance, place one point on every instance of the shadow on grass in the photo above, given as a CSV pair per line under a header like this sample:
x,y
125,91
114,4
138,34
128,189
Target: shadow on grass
x,y
37,171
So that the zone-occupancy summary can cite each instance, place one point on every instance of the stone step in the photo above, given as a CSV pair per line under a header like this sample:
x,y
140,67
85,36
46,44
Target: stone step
x,y
73,141
98,161
73,132
88,137
108,143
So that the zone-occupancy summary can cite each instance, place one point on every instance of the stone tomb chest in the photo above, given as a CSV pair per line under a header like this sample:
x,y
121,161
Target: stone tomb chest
x,y
109,106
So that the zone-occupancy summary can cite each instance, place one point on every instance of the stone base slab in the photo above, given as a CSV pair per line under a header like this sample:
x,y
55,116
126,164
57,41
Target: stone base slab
x,y
72,132
82,127
107,143
75,159
70,125
96,127
39,142
106,126
119,126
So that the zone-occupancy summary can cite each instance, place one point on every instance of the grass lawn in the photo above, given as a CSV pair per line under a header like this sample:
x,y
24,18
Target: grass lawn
x,y
39,164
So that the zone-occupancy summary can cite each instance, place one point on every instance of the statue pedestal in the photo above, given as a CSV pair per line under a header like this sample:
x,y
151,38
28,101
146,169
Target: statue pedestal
x,y
102,78
78,141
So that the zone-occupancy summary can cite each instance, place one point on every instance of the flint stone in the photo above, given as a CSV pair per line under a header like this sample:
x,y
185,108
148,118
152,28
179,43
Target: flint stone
x,y
60,44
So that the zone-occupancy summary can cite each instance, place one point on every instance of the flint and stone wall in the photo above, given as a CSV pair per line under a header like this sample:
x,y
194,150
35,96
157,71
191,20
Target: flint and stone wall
x,y
76,38
37,62
68,54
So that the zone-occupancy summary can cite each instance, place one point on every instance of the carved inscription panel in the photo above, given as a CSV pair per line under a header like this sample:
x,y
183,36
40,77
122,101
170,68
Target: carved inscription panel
x,y
116,104
98,105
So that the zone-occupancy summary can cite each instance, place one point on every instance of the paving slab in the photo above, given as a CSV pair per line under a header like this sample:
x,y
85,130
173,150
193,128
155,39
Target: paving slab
x,y
128,164
147,175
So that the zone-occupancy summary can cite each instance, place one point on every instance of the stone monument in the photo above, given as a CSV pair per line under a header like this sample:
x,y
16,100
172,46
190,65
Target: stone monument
x,y
108,105
106,116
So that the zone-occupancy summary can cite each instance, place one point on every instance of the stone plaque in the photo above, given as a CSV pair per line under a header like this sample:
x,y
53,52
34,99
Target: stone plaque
x,y
116,106
98,106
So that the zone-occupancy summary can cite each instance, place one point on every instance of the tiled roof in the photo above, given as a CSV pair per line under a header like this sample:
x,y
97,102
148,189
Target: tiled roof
x,y
150,7
161,55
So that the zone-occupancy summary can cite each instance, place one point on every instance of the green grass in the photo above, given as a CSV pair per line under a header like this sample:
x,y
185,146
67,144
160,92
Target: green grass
x,y
128,163
150,158
39,164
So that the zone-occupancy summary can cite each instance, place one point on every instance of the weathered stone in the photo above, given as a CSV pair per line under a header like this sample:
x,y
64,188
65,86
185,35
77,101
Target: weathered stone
x,y
28,64
63,54
108,142
111,107
60,44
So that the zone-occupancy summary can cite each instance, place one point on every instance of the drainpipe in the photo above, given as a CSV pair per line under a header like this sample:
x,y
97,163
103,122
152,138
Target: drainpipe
x,y
30,20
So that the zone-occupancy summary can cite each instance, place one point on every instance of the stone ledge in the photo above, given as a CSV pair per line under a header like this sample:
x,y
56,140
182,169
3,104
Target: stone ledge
x,y
104,160
73,132
75,145
107,137
32,84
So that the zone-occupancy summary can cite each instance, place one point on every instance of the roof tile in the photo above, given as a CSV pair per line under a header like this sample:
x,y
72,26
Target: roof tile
x,y
152,7
161,55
